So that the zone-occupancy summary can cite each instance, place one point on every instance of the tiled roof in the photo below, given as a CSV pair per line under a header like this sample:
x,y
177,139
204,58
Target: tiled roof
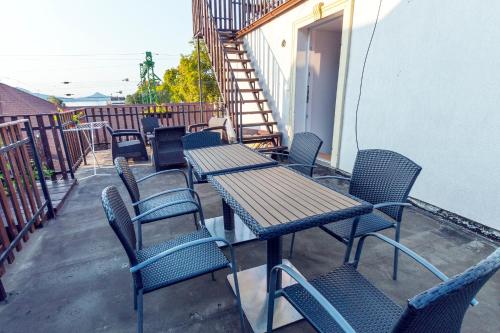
x,y
16,102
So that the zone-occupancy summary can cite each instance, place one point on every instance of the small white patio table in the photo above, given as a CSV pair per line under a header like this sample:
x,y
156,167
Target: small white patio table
x,y
89,127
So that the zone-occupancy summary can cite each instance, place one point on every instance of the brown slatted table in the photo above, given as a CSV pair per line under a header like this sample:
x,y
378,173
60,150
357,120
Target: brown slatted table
x,y
224,159
274,202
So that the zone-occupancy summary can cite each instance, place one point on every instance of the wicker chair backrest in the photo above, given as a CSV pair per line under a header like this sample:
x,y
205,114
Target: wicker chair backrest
x,y
128,178
304,150
149,124
201,140
121,223
442,308
383,176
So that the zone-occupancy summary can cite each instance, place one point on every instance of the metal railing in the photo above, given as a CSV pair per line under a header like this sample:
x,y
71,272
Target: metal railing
x,y
23,206
205,26
237,15
61,152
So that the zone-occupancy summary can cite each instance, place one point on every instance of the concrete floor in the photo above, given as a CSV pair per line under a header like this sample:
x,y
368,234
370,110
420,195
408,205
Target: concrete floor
x,y
72,276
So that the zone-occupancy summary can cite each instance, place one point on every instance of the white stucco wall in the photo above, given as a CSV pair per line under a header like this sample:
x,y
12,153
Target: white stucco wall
x,y
431,92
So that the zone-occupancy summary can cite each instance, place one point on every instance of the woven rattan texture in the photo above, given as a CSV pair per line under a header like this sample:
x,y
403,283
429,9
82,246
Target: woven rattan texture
x,y
128,178
304,150
381,176
181,265
365,307
171,211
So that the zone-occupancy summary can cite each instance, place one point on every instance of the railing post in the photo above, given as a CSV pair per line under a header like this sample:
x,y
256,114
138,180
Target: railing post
x,y
200,82
65,146
39,170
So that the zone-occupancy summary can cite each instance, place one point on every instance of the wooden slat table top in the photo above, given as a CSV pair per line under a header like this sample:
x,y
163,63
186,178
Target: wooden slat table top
x,y
275,201
226,158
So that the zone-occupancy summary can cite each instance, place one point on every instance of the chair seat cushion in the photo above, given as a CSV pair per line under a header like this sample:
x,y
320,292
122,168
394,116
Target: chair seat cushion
x,y
130,143
364,307
171,211
367,223
181,265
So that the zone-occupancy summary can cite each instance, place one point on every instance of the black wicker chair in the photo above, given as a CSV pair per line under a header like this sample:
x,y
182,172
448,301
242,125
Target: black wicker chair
x,y
383,178
303,152
345,301
127,148
201,140
167,146
164,264
149,124
215,124
175,202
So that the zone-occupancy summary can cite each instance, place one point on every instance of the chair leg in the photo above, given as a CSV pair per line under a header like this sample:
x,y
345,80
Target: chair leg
x,y
351,240
135,299
140,312
195,221
291,245
396,254
213,276
238,299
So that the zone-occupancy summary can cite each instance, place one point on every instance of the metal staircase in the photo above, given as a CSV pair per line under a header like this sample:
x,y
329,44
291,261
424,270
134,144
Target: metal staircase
x,y
241,92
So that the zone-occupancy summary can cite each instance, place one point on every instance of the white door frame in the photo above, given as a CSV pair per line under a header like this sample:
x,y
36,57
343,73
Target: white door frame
x,y
339,7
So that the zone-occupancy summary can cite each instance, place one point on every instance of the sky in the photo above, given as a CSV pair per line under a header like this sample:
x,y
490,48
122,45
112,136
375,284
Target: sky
x,y
93,44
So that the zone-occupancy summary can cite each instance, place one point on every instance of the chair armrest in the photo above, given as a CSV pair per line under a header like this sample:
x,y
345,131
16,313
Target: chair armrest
x,y
125,130
214,128
173,203
196,126
193,192
333,177
273,153
327,306
164,172
300,165
126,133
388,204
430,267
177,248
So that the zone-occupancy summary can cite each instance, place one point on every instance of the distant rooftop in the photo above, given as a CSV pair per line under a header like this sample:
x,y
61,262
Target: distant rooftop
x,y
17,102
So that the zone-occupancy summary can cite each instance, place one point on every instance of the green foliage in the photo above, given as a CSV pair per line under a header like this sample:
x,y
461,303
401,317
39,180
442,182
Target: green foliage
x,y
180,84
56,101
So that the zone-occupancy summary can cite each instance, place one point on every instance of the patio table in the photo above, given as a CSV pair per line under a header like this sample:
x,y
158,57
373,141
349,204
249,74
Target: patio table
x,y
273,202
223,159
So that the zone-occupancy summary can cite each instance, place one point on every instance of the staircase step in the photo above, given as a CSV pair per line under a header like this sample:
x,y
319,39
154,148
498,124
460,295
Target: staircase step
x,y
255,138
257,112
236,42
231,50
240,60
243,70
250,90
263,123
255,101
247,80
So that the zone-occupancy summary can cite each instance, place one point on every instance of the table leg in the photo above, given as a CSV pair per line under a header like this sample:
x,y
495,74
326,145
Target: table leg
x,y
274,257
228,215
190,175
254,284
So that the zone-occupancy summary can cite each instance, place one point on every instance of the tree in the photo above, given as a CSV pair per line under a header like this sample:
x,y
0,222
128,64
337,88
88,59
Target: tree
x,y
56,101
180,84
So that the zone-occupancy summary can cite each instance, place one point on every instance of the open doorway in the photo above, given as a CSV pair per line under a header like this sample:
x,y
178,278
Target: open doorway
x,y
321,45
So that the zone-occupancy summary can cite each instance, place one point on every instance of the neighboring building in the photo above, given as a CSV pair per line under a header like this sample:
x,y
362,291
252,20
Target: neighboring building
x,y
431,87
14,101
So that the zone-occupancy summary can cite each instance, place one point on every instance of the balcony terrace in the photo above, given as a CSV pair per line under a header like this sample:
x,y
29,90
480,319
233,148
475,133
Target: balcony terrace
x,y
73,274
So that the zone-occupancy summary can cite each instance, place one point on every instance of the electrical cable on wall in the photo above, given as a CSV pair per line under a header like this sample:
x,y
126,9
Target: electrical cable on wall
x,y
363,73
